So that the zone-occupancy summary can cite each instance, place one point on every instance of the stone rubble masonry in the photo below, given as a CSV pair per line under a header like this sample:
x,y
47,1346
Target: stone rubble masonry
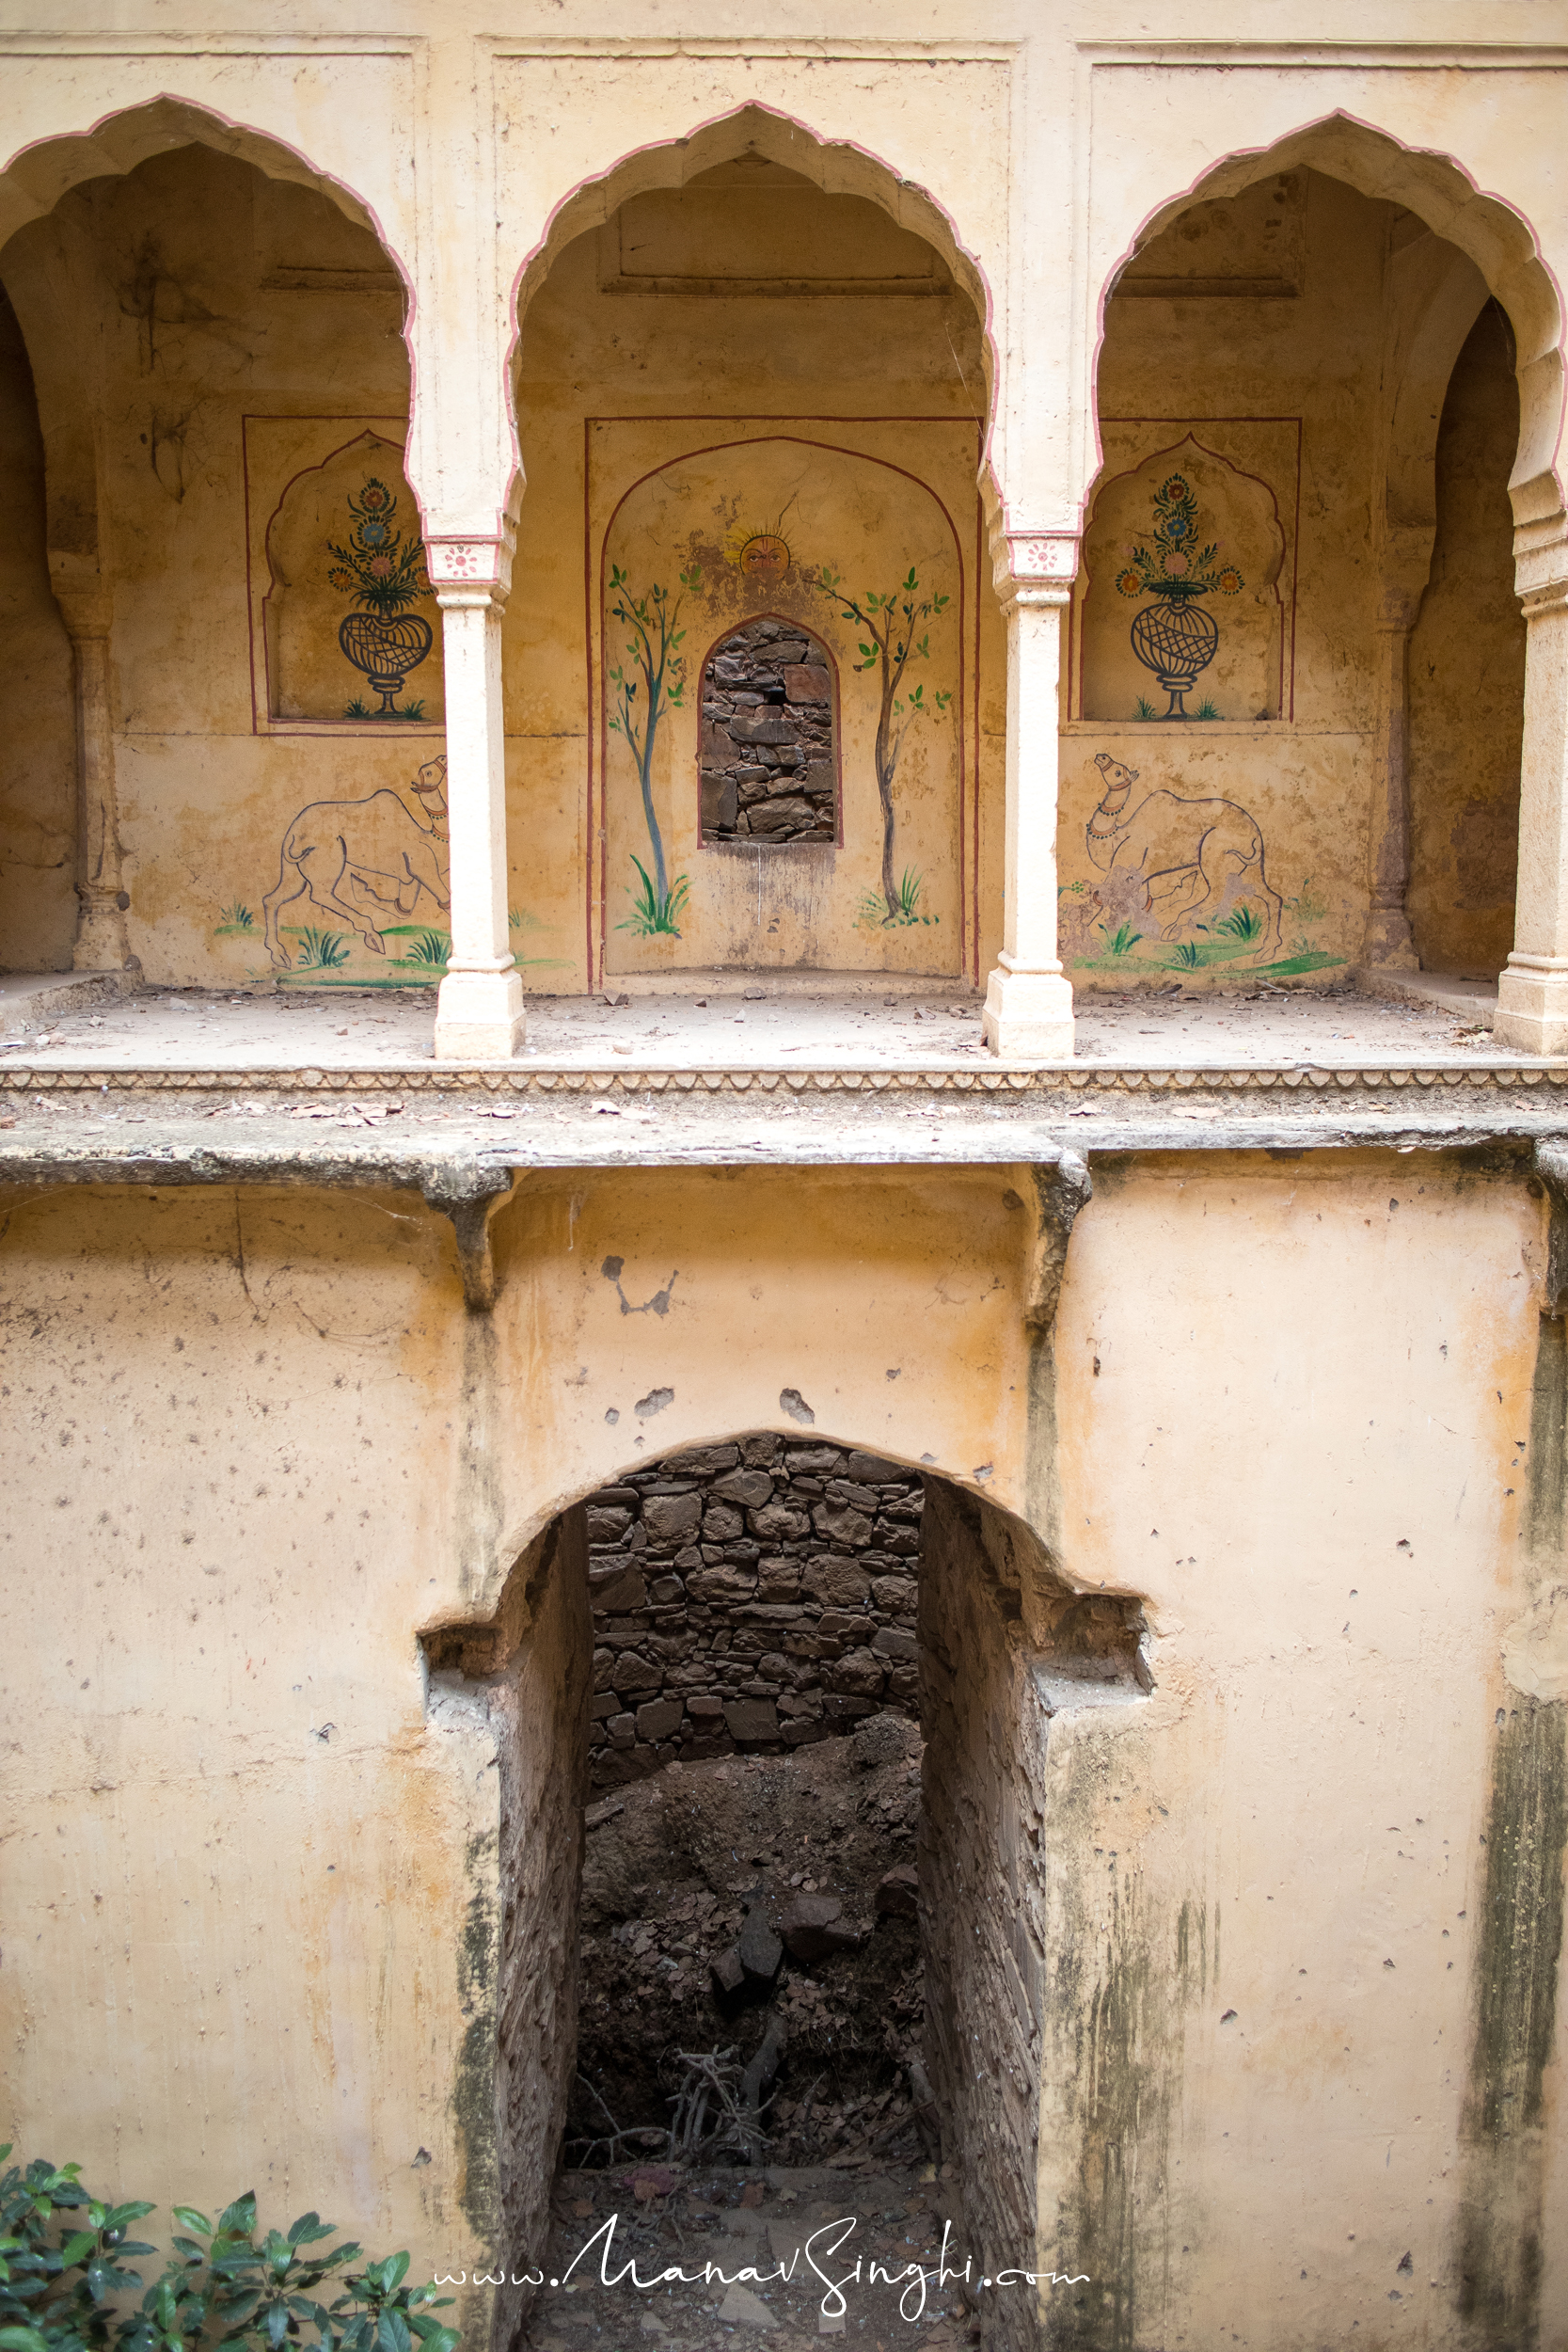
x,y
753,1596
766,743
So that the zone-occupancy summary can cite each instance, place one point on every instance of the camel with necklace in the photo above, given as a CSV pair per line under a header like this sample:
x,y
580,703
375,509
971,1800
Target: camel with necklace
x,y
1186,855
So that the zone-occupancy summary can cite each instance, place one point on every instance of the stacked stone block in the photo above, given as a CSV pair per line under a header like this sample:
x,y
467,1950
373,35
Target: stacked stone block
x,y
751,1597
766,739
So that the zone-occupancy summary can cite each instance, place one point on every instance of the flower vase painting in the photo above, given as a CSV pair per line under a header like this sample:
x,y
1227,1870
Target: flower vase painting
x,y
1174,636
385,573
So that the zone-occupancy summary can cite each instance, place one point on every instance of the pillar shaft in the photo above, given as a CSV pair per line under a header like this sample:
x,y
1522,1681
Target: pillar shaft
x,y
1389,943
102,944
1532,991
480,1012
1028,1013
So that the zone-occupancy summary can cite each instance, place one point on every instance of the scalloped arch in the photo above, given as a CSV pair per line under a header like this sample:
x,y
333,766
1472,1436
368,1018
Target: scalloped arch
x,y
1437,189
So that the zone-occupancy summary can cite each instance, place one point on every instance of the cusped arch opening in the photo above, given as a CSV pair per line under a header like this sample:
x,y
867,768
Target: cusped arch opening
x,y
34,178
1495,237
835,167
752,1704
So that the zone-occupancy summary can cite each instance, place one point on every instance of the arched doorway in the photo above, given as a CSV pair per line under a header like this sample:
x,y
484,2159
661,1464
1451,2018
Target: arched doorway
x,y
770,1697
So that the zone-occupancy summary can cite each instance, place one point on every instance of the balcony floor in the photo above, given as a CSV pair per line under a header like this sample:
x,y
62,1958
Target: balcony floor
x,y
271,1034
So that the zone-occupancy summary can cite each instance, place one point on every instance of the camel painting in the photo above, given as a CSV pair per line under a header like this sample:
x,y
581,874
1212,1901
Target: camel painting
x,y
1188,861
335,851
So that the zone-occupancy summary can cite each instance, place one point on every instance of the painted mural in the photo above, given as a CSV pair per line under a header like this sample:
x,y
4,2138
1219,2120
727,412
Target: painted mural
x,y
333,521
780,710
1174,636
383,569
360,895
1182,529
1181,884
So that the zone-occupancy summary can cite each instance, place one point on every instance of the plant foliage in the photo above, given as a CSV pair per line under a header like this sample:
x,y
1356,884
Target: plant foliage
x,y
66,2283
890,619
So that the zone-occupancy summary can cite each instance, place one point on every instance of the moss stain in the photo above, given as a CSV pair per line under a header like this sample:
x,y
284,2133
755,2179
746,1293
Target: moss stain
x,y
473,2098
1519,1943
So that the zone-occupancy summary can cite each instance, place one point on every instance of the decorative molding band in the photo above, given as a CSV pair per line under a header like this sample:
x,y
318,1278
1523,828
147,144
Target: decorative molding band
x,y
522,1079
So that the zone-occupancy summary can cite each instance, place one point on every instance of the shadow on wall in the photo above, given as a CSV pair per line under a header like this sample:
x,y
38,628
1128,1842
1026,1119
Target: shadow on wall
x,y
700,1929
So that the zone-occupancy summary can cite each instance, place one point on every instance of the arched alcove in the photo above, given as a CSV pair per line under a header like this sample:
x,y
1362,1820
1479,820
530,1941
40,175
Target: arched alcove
x,y
209,321
1439,193
708,1666
776,360
1179,609
1467,676
768,757
1300,309
350,624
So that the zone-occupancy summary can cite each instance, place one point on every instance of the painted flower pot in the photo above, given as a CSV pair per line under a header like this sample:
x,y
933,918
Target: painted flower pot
x,y
386,648
1176,639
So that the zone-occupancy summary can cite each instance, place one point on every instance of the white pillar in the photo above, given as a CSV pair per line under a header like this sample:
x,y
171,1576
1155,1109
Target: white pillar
x,y
1028,1013
479,1015
102,944
1532,991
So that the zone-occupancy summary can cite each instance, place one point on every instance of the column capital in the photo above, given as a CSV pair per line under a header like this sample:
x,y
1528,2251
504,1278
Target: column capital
x,y
467,568
1034,567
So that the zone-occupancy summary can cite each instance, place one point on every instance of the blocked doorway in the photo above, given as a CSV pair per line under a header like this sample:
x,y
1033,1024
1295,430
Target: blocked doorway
x,y
773,1740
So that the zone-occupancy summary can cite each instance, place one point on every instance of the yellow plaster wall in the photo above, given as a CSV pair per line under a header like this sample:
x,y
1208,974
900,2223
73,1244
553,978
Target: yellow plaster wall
x,y
259,1444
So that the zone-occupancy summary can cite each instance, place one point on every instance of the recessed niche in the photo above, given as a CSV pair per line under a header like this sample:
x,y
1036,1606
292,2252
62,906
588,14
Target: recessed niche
x,y
768,746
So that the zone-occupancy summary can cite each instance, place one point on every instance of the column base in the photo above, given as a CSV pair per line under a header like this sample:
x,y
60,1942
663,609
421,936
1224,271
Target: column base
x,y
1533,1005
1028,1015
102,943
479,1016
1390,945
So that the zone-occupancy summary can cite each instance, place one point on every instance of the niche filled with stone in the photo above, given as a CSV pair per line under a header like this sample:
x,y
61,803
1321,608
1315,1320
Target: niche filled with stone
x,y
754,1596
768,761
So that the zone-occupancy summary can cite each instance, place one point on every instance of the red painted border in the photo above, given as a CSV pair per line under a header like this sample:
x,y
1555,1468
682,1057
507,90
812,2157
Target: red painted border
x,y
1075,655
598,738
806,630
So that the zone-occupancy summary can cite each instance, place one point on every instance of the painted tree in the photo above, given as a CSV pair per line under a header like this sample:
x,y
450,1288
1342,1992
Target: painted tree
x,y
890,643
651,681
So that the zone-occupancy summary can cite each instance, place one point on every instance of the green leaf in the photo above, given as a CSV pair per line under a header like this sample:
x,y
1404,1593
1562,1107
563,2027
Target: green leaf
x,y
392,2334
276,2323
309,2228
77,2248
239,2219
189,2218
22,2340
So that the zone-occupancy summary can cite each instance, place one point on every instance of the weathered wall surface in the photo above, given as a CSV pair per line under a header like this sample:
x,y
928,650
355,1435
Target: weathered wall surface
x,y
259,1449
38,787
1467,676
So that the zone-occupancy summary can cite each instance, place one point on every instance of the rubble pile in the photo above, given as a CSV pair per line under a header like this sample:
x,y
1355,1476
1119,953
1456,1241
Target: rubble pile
x,y
734,1896
757,1596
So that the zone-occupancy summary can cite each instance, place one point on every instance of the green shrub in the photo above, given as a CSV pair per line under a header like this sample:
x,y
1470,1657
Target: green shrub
x,y
64,2284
